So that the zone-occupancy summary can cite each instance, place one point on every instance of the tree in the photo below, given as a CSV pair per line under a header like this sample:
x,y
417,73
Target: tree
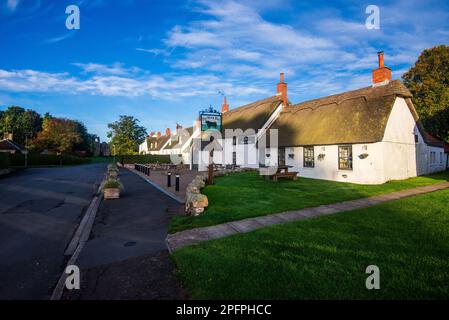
x,y
126,135
58,136
428,81
21,123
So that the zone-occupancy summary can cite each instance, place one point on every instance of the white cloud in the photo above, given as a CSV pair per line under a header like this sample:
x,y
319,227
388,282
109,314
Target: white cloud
x,y
117,69
237,41
116,81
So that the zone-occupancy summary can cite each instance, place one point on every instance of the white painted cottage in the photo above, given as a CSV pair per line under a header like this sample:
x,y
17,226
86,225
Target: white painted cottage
x,y
369,136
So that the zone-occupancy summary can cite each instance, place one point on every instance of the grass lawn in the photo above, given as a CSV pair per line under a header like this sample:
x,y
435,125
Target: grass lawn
x,y
245,195
326,257
101,159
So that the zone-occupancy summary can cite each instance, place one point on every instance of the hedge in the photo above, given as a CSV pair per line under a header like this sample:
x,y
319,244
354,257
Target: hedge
x,y
4,160
147,158
18,160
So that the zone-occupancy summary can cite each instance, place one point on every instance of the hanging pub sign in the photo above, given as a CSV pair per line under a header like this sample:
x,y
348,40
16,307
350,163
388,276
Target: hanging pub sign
x,y
210,123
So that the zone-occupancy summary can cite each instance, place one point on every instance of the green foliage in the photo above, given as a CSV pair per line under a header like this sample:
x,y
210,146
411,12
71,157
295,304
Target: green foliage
x,y
48,133
4,160
126,135
147,158
18,160
111,184
59,136
245,195
326,257
428,81
21,123
101,159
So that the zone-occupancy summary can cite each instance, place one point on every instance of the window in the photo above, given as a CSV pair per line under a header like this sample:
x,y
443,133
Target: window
x,y
309,158
432,157
234,158
345,157
245,140
234,141
416,138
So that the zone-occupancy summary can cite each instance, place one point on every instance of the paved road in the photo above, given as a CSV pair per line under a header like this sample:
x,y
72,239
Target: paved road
x,y
39,211
126,256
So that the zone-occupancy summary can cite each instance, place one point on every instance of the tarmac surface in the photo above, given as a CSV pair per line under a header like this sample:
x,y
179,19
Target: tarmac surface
x,y
126,257
39,211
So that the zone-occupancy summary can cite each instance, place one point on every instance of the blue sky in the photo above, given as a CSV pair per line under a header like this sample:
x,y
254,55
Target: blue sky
x,y
163,61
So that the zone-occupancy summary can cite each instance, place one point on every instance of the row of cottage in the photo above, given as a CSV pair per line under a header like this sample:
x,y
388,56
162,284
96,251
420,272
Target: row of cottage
x,y
370,135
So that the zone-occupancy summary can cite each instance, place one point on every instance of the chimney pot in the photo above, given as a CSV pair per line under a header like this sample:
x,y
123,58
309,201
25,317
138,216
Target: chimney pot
x,y
281,90
380,56
197,123
159,134
167,132
225,106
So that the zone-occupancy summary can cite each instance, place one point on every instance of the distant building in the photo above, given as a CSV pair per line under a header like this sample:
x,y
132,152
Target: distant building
x,y
9,146
104,150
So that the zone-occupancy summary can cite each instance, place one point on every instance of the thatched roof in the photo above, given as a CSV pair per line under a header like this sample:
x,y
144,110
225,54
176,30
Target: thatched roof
x,y
358,116
251,116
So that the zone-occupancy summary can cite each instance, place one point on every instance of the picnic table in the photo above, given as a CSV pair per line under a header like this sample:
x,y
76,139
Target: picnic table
x,y
283,173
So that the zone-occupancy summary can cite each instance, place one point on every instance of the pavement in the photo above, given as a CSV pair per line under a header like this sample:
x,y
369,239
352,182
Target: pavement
x,y
126,256
40,210
197,235
159,177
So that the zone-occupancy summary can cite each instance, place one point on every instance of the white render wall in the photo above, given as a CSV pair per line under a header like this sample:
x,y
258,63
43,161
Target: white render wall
x,y
403,157
365,171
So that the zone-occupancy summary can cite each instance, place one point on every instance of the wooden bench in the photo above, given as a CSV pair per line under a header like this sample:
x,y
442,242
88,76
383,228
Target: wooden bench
x,y
285,175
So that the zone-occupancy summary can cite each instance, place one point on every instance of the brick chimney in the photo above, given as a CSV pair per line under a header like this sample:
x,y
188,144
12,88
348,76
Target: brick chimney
x,y
7,136
382,75
225,106
159,134
281,90
167,132
151,134
197,123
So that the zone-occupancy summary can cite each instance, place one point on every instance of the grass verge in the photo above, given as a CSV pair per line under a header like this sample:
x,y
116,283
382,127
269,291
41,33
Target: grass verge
x,y
326,257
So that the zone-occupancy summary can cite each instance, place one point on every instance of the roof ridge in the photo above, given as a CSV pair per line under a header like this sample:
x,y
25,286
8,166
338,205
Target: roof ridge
x,y
393,87
248,105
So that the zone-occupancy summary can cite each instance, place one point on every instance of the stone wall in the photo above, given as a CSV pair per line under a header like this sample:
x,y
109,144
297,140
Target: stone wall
x,y
195,201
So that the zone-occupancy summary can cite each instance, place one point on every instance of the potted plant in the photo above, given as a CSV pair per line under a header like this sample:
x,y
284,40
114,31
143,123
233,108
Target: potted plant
x,y
113,173
111,189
